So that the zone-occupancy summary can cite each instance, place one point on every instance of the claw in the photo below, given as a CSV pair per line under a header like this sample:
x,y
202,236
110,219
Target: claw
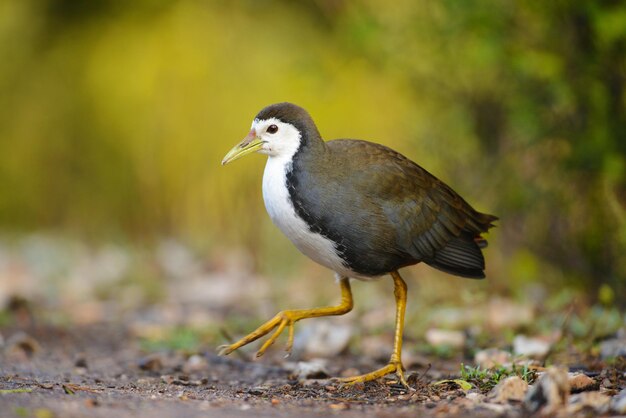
x,y
278,322
224,350
289,345
288,319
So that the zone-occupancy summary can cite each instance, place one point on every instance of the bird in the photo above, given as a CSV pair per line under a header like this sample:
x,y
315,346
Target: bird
x,y
360,209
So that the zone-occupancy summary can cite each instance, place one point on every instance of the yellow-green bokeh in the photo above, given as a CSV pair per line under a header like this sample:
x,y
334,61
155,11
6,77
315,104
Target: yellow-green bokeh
x,y
114,116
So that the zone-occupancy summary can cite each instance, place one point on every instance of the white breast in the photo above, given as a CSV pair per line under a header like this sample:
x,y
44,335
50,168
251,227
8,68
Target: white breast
x,y
278,204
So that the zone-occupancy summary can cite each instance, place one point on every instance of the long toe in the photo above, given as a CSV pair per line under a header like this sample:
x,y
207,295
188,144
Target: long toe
x,y
390,368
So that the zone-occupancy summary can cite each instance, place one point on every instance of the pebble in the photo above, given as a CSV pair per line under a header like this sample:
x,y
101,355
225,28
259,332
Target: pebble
x,y
596,401
580,382
475,397
615,347
313,369
531,347
259,390
606,383
513,388
21,343
492,357
443,337
80,362
504,313
377,347
151,363
549,393
618,403
195,363
323,338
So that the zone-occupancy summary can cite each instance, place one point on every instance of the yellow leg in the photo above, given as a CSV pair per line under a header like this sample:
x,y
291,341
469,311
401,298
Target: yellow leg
x,y
288,319
395,362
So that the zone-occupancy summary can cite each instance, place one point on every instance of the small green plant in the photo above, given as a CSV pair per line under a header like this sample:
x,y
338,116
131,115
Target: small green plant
x,y
486,379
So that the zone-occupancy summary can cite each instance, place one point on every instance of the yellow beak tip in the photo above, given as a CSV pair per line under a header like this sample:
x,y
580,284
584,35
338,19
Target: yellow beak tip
x,y
246,147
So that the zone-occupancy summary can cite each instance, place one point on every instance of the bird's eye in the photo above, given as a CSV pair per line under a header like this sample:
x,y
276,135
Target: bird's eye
x,y
272,129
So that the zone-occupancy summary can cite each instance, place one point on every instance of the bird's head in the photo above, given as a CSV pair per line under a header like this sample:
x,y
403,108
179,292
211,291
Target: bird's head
x,y
278,131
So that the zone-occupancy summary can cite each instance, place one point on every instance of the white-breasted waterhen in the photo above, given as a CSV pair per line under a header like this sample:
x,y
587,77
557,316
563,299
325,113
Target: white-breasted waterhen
x,y
362,210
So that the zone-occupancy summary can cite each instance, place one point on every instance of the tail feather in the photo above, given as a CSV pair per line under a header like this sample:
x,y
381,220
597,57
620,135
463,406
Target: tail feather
x,y
461,256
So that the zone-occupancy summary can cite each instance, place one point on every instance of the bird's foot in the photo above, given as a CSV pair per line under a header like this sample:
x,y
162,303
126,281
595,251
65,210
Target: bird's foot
x,y
393,367
279,322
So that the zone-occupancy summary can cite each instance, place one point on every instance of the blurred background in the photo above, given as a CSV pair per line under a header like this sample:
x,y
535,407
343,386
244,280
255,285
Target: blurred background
x,y
114,117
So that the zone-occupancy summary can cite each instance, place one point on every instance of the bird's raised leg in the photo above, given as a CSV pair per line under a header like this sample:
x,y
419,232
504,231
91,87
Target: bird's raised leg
x,y
288,319
395,362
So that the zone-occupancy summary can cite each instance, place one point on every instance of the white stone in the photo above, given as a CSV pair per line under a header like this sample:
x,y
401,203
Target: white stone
x,y
322,338
530,347
442,337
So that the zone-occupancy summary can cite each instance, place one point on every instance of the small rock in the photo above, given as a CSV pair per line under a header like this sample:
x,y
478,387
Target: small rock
x,y
504,313
549,393
531,347
513,388
195,363
314,382
615,347
167,379
580,382
475,397
350,372
259,390
91,402
606,383
492,357
618,403
377,347
323,338
23,344
151,363
339,406
80,362
595,401
443,337
313,369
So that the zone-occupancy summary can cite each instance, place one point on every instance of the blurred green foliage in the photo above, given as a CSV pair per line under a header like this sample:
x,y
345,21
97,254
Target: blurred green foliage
x,y
114,116
487,379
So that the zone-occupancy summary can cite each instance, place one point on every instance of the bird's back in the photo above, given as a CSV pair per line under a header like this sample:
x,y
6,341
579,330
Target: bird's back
x,y
384,212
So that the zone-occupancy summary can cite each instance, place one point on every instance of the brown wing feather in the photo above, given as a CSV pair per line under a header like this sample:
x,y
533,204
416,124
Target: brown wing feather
x,y
431,222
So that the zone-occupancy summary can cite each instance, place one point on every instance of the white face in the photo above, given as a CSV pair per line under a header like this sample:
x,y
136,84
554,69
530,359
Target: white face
x,y
280,139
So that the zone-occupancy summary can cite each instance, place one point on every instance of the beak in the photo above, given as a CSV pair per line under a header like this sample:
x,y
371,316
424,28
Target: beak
x,y
251,143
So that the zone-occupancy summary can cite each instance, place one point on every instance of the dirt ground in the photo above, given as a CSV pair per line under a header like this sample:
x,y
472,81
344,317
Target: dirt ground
x,y
101,371
126,332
